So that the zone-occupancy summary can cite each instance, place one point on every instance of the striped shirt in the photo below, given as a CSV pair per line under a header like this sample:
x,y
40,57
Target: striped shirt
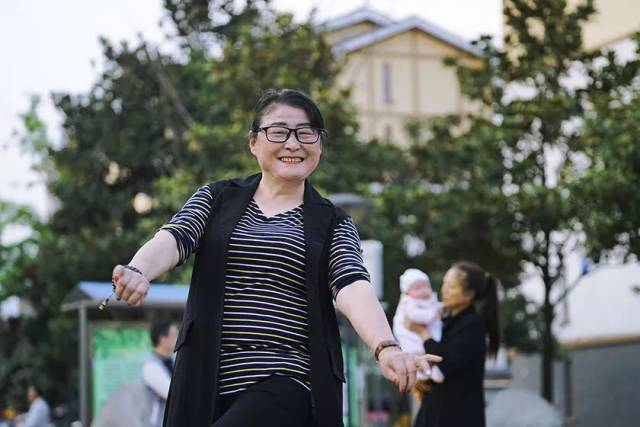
x,y
264,326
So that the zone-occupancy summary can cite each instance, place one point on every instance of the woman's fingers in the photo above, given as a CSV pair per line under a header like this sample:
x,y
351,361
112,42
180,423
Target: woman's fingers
x,y
399,368
411,368
137,295
116,279
134,293
432,358
423,365
425,361
130,286
405,371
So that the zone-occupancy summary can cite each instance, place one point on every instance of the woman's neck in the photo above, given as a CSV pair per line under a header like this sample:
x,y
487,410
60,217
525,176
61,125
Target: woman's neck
x,y
456,310
283,190
275,197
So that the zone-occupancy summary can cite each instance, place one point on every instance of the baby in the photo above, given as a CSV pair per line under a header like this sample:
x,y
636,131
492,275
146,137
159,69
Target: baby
x,y
419,304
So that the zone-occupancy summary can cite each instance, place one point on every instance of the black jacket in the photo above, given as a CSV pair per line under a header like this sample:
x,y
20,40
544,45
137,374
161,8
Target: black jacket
x,y
194,385
459,400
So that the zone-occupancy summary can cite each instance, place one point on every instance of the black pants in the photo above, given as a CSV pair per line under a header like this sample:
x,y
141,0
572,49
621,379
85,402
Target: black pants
x,y
277,401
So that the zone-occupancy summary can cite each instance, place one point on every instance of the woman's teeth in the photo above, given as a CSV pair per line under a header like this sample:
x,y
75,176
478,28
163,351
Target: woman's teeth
x,y
291,159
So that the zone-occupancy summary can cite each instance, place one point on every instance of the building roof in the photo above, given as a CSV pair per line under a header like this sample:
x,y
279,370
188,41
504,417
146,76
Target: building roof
x,y
356,17
411,23
91,294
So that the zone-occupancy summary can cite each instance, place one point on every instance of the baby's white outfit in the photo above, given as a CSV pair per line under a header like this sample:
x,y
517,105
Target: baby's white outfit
x,y
423,311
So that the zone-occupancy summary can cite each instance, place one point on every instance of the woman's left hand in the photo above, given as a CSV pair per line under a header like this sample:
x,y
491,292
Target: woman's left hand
x,y
400,368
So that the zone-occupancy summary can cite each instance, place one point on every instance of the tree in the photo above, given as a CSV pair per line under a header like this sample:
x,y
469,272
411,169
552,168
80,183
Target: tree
x,y
450,197
33,343
199,22
150,131
611,170
508,185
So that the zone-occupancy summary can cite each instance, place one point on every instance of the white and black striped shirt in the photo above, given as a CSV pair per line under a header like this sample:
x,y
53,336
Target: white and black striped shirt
x,y
264,327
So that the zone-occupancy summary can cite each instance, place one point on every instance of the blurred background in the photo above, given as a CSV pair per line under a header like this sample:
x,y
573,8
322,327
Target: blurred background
x,y
503,132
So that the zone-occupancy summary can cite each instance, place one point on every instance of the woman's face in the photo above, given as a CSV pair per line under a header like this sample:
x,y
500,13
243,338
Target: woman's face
x,y
454,295
289,160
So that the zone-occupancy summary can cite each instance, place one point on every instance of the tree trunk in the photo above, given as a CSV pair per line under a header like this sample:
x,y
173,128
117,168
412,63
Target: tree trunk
x,y
547,343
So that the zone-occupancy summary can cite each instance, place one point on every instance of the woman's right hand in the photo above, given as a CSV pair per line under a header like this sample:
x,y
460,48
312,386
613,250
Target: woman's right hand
x,y
130,286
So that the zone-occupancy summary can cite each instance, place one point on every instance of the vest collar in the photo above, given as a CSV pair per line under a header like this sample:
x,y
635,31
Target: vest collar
x,y
249,185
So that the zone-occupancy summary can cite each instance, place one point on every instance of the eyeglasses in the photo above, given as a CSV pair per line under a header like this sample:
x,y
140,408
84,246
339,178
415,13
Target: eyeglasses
x,y
280,134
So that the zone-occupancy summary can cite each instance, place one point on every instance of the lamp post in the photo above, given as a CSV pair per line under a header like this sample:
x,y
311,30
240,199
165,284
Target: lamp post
x,y
356,206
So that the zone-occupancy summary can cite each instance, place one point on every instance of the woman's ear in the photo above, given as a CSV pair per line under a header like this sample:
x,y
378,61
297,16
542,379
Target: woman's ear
x,y
469,295
252,144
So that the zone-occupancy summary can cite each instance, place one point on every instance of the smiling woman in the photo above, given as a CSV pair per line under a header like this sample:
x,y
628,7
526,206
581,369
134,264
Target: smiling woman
x,y
259,338
286,139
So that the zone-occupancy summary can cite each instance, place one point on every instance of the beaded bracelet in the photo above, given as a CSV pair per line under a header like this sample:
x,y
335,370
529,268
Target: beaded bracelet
x,y
135,270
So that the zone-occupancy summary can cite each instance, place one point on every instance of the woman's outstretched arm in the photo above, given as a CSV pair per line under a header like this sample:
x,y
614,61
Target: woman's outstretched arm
x,y
358,302
153,259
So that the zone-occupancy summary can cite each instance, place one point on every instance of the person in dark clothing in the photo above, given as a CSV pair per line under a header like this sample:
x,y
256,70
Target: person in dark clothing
x,y
259,342
459,400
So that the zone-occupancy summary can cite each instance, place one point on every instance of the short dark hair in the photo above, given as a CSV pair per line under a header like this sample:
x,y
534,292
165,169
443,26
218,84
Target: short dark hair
x,y
158,330
291,97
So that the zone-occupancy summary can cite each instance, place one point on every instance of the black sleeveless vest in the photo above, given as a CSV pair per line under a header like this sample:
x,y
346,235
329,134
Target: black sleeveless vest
x,y
194,385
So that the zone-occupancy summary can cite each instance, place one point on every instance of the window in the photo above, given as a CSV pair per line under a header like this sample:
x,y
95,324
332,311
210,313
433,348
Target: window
x,y
388,133
386,83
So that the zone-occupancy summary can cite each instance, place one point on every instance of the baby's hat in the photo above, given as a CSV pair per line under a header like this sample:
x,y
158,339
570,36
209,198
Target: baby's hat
x,y
411,275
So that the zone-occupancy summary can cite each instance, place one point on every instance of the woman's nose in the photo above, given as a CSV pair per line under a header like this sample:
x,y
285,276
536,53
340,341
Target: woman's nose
x,y
292,143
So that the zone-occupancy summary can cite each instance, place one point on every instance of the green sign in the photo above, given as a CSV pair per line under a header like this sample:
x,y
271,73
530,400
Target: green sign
x,y
118,355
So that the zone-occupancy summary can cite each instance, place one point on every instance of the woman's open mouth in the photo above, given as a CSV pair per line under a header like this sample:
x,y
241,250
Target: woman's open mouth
x,y
291,160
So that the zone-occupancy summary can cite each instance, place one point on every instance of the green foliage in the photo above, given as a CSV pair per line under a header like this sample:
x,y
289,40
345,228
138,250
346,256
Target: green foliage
x,y
608,145
451,198
157,127
197,20
479,187
37,343
16,252
539,163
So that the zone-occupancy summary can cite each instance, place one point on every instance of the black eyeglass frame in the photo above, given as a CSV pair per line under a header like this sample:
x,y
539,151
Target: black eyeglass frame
x,y
265,129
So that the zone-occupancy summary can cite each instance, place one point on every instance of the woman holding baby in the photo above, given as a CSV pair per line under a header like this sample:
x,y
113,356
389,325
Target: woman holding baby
x,y
470,331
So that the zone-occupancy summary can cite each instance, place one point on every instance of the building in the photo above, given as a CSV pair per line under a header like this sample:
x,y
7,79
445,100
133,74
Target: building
x,y
396,70
612,26
599,331
597,325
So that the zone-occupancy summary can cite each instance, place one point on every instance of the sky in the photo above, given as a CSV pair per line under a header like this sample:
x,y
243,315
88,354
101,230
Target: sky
x,y
48,47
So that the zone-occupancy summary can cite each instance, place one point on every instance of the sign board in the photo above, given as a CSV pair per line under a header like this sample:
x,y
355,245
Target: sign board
x,y
117,358
372,257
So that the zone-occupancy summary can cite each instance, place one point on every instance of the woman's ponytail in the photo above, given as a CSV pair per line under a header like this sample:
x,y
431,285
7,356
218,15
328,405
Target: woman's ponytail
x,y
485,288
490,313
